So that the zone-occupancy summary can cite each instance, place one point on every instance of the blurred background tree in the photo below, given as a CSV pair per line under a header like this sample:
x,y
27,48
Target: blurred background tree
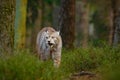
x,y
20,24
34,21
116,21
67,22
85,23
81,22
7,15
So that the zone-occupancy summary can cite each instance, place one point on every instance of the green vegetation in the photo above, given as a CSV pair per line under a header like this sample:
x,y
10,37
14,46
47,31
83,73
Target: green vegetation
x,y
23,65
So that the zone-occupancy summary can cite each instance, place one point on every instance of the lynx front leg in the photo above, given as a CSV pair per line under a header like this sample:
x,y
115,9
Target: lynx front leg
x,y
43,57
57,63
56,59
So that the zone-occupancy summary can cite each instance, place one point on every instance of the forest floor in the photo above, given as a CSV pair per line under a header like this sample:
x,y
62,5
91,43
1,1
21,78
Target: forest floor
x,y
85,76
93,63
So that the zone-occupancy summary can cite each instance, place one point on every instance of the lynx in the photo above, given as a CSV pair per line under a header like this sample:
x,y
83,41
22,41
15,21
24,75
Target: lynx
x,y
49,45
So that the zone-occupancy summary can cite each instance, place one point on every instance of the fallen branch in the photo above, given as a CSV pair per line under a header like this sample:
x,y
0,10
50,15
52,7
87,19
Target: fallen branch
x,y
83,73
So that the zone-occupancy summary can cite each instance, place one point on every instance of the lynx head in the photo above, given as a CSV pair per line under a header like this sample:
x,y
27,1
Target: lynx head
x,y
52,39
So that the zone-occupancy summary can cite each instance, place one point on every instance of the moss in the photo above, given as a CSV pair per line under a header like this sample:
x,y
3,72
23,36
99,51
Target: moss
x,y
7,13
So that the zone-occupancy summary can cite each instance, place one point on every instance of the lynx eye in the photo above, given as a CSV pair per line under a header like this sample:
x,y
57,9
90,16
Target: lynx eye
x,y
47,37
52,37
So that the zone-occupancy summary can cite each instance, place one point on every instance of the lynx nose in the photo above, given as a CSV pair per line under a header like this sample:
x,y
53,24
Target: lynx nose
x,y
48,41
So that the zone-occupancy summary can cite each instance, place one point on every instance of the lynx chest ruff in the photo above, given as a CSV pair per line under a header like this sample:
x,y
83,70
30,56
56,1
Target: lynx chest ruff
x,y
49,45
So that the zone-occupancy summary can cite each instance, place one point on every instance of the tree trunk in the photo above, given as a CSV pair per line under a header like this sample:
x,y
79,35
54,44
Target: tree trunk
x,y
33,22
117,30
36,29
47,11
110,24
7,13
116,22
67,22
85,24
20,24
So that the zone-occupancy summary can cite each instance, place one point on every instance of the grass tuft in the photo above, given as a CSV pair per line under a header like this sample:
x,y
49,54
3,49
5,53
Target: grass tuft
x,y
23,65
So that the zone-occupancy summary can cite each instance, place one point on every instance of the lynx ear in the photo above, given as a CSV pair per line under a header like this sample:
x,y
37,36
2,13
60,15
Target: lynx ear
x,y
47,32
58,32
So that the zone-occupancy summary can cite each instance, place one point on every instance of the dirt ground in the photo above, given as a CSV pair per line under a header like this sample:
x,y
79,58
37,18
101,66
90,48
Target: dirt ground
x,y
85,76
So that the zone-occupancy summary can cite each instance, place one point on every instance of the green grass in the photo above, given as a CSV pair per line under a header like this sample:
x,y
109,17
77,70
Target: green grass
x,y
23,65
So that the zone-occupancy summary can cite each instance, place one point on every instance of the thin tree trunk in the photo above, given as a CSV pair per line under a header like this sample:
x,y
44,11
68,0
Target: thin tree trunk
x,y
67,23
20,24
36,29
85,24
110,24
50,14
42,12
47,11
7,13
34,19
116,22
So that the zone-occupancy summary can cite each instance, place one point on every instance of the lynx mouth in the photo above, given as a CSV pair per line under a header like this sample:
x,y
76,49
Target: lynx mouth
x,y
50,44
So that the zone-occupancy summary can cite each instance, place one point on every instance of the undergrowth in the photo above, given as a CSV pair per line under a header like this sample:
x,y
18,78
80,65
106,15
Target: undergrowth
x,y
24,65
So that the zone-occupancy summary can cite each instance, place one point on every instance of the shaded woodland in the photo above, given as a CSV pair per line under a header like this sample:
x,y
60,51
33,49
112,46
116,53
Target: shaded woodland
x,y
87,27
81,22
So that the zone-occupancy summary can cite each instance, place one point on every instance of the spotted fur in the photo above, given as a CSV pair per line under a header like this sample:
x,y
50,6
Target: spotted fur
x,y
49,45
